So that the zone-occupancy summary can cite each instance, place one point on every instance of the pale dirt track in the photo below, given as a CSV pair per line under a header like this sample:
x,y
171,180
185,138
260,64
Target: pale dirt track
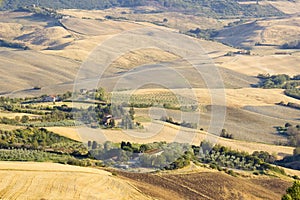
x,y
55,181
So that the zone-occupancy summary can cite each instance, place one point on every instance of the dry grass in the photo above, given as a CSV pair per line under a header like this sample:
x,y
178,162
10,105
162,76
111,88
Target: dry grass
x,y
137,58
66,132
288,7
270,31
10,127
234,97
54,181
253,65
13,115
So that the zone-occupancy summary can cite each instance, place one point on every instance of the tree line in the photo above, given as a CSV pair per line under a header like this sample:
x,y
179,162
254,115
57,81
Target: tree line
x,y
211,8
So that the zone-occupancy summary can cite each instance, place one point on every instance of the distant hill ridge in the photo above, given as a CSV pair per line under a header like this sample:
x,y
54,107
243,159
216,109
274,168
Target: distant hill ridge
x,y
205,7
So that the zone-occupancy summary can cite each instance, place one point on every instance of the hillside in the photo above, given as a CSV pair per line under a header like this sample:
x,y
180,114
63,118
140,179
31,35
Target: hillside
x,y
211,8
47,180
262,32
206,184
54,181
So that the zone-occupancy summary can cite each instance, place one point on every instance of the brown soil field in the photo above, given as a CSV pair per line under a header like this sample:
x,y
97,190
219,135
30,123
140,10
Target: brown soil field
x,y
206,185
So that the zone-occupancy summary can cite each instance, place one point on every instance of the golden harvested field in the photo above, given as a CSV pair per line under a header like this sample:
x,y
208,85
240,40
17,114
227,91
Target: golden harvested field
x,y
253,65
288,7
13,115
28,180
10,127
54,47
267,31
66,132
54,181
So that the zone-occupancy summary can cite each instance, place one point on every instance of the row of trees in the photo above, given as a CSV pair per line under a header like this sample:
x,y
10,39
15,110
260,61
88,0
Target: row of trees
x,y
183,124
42,156
175,155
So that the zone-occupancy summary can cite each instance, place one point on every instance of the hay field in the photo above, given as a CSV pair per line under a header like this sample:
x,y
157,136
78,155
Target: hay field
x,y
253,65
20,180
10,127
69,45
69,132
13,115
288,7
267,31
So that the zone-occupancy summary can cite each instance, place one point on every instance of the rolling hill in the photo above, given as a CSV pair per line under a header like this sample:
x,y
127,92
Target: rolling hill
x,y
212,8
53,181
43,52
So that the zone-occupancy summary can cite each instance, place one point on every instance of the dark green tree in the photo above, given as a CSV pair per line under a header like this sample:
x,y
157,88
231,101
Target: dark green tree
x,y
293,193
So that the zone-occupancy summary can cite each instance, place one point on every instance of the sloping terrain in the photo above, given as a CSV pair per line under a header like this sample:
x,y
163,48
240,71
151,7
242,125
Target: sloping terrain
x,y
253,65
23,70
210,8
267,31
206,185
288,7
21,180
54,181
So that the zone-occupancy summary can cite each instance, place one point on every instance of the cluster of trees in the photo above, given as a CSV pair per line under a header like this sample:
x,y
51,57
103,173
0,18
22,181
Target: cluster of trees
x,y
221,156
290,84
203,33
42,156
293,192
175,156
113,154
292,162
290,104
225,134
182,161
8,44
293,92
275,81
40,139
183,124
291,132
40,145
